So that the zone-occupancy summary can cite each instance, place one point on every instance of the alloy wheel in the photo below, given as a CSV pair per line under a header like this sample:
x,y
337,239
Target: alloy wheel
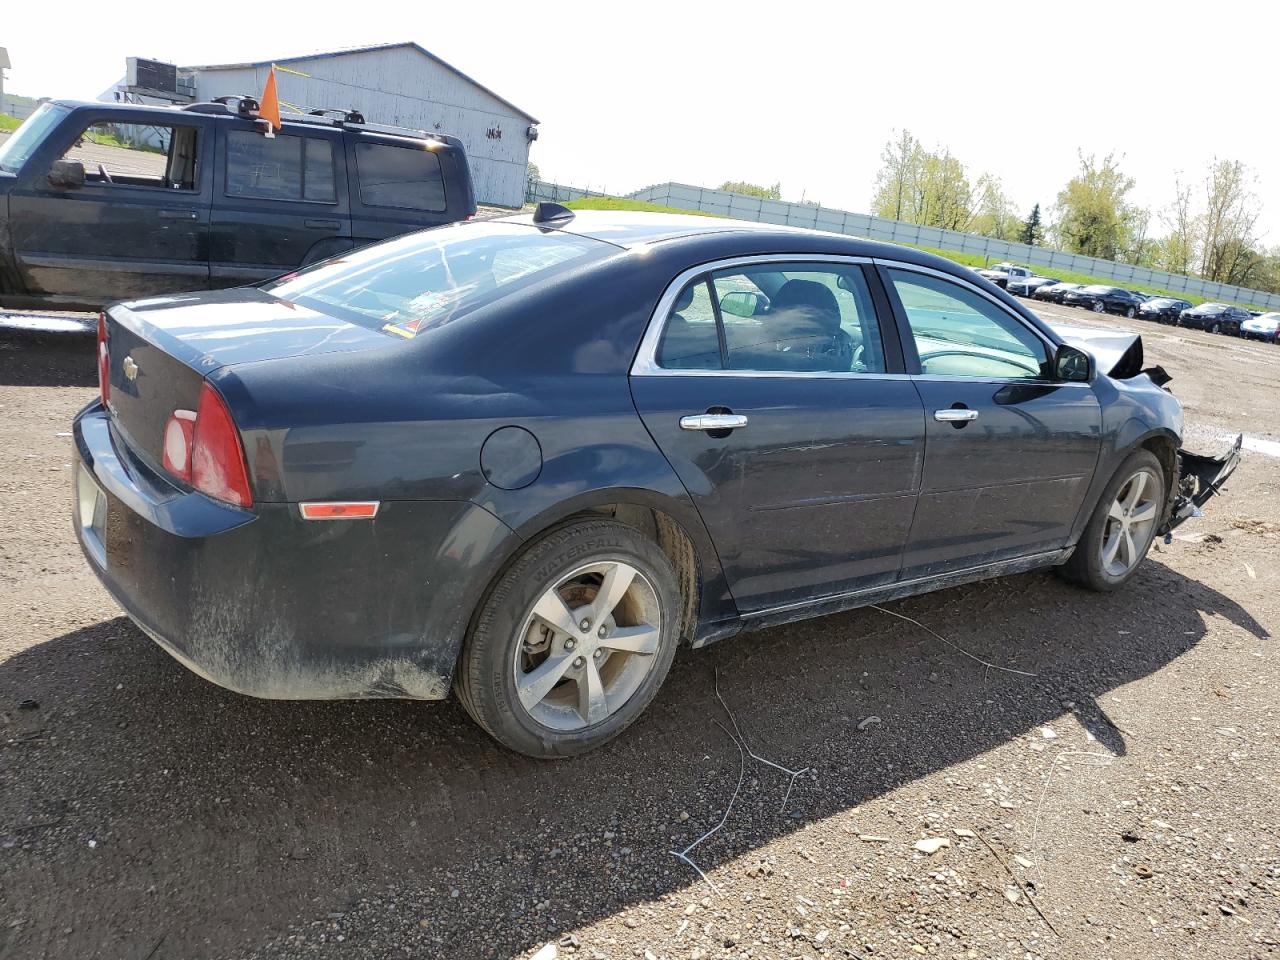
x,y
1131,524
587,645
1097,306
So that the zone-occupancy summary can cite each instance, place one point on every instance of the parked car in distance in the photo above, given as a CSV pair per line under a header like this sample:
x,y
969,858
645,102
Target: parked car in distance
x,y
1103,299
527,458
1214,317
1055,292
1027,286
1001,273
1265,326
107,201
1163,309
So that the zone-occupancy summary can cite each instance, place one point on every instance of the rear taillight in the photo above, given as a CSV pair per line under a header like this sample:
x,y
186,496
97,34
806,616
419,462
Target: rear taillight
x,y
104,366
203,449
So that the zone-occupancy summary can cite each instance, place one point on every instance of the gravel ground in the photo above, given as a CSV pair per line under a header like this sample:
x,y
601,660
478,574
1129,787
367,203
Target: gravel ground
x,y
1129,789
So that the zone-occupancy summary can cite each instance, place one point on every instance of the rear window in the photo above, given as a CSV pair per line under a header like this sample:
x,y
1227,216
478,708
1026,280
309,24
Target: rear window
x,y
406,177
412,284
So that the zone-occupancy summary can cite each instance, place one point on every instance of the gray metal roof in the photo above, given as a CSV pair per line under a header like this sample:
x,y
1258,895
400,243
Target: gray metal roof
x,y
368,49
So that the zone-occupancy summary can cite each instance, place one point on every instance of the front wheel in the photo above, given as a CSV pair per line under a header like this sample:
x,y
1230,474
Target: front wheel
x,y
1122,527
573,640
1216,328
1098,307
1130,313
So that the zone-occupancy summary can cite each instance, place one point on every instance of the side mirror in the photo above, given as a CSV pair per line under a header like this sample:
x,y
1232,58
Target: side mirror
x,y
1072,364
740,303
67,174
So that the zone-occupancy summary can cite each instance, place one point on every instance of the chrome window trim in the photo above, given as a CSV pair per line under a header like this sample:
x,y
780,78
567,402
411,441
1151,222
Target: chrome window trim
x,y
645,364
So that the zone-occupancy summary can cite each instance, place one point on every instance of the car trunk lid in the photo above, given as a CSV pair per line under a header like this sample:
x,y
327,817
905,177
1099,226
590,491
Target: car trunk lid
x,y
160,351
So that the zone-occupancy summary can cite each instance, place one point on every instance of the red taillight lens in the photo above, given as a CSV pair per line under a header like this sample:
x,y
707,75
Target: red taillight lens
x,y
216,462
104,366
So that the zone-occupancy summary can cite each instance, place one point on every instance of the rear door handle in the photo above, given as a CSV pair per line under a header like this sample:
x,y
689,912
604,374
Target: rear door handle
x,y
324,224
713,421
178,215
955,416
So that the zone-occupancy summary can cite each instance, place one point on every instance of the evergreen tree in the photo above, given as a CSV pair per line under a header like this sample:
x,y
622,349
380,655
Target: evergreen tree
x,y
1032,232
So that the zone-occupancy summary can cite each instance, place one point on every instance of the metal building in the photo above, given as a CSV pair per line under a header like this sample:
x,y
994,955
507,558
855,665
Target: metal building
x,y
399,83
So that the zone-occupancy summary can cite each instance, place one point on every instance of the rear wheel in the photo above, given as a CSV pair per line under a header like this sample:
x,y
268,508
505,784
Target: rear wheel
x,y
573,641
1130,313
1098,307
1216,328
1122,527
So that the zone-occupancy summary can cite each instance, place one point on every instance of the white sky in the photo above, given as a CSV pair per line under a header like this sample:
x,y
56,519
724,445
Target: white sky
x,y
632,94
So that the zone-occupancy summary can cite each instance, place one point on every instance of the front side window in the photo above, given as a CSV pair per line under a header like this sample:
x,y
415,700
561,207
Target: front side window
x,y
405,177
959,333
161,156
282,167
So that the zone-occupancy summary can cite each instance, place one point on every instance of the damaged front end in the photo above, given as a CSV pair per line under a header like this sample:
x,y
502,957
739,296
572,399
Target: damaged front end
x,y
1199,478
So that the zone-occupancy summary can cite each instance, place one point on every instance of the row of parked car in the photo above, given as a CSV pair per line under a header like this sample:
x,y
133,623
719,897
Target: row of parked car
x,y
1214,317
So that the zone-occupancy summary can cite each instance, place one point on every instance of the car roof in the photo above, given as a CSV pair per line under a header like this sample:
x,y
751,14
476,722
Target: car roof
x,y
154,112
630,229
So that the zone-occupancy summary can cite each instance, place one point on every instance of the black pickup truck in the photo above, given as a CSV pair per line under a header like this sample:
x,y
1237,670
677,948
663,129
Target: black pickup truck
x,y
102,202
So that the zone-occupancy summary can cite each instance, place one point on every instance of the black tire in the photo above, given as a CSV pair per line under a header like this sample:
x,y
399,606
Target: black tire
x,y
1085,566
1130,313
1216,328
1098,307
486,683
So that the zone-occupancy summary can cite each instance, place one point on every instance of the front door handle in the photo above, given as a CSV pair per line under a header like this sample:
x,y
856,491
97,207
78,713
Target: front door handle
x,y
178,215
713,421
324,224
955,416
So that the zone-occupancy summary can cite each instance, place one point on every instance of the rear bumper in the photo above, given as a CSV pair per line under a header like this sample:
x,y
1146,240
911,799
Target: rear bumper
x,y
270,605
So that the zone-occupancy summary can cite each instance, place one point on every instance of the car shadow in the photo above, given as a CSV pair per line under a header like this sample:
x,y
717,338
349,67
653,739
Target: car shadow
x,y
41,359
220,822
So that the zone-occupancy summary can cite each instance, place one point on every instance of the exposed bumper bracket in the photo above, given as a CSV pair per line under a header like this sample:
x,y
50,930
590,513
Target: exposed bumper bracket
x,y
1199,478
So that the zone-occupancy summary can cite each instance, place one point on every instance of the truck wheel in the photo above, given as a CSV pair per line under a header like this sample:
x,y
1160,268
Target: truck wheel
x,y
573,640
1122,527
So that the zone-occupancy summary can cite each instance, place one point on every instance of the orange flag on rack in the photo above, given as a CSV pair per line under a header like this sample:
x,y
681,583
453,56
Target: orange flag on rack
x,y
269,105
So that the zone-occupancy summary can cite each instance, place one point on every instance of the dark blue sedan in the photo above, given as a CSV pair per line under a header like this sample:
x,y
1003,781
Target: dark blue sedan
x,y
526,459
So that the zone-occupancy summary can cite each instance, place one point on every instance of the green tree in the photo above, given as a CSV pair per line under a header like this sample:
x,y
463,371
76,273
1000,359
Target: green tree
x,y
1032,232
896,181
993,214
1177,250
753,190
916,185
1229,221
533,172
1093,216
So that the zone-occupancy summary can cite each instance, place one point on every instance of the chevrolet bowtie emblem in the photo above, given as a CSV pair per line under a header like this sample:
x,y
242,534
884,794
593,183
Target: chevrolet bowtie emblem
x,y
130,369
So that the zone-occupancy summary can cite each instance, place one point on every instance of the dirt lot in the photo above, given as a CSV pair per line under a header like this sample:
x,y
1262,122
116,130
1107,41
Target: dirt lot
x,y
1132,785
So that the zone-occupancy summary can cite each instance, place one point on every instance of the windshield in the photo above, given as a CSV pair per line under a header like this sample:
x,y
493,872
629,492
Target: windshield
x,y
15,151
1210,308
414,283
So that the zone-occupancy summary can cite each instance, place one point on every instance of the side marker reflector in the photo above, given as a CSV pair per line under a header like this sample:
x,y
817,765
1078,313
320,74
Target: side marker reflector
x,y
340,510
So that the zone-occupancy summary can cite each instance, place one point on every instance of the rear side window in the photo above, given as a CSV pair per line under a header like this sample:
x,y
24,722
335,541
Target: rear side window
x,y
406,177
775,318
280,168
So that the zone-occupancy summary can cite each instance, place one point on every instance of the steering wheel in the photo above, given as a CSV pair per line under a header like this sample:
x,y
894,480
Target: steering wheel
x,y
926,357
102,172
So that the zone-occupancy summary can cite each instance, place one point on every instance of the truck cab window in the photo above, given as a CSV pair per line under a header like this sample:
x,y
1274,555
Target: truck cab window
x,y
160,156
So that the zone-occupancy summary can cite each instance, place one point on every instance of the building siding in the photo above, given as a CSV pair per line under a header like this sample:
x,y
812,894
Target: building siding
x,y
401,86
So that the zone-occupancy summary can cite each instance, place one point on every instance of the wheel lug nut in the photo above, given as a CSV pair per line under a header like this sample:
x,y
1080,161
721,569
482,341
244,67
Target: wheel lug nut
x,y
598,654
580,661
570,643
586,624
603,632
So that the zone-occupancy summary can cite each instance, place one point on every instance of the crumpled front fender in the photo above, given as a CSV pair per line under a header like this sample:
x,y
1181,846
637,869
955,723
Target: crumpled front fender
x,y
1199,478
